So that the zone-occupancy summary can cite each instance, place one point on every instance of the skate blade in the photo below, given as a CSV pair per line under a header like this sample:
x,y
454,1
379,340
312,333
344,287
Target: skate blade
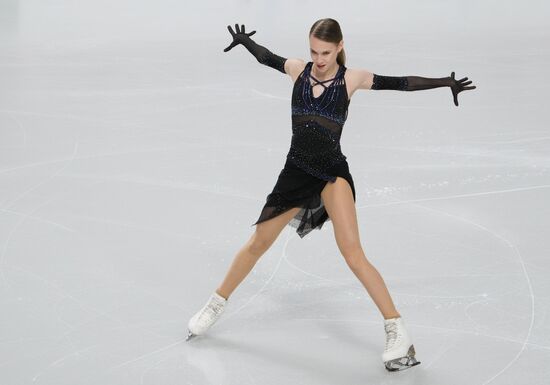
x,y
190,336
403,363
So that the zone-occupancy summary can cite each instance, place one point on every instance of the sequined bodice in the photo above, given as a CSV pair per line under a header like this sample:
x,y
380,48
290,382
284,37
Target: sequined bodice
x,y
317,123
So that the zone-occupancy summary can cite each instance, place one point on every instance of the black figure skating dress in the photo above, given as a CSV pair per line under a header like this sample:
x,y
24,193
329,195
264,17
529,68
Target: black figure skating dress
x,y
315,156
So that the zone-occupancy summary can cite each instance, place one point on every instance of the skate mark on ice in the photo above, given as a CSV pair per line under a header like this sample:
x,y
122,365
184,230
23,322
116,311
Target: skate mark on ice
x,y
525,273
289,237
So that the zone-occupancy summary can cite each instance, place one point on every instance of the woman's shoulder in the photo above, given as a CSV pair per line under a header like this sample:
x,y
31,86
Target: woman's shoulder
x,y
295,67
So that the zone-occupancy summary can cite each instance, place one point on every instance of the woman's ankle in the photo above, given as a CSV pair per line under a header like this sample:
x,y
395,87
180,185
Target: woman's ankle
x,y
226,296
396,315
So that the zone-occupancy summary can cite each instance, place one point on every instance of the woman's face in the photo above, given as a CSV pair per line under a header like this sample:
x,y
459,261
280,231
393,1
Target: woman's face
x,y
324,54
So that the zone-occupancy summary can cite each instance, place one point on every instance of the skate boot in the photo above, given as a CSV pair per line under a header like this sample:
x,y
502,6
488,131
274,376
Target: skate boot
x,y
399,351
207,316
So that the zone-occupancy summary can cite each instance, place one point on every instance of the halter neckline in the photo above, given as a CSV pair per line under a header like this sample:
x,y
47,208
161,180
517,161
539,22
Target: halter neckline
x,y
323,81
334,79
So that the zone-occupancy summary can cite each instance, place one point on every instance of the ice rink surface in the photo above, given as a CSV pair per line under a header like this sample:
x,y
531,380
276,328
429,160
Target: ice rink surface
x,y
135,154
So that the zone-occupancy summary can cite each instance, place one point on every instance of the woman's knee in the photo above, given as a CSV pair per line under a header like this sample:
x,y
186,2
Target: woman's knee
x,y
260,242
351,250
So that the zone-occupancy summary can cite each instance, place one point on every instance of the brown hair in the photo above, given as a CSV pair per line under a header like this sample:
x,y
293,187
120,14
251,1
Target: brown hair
x,y
328,30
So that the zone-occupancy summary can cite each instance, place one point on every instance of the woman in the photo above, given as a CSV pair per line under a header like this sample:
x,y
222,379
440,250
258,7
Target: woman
x,y
315,184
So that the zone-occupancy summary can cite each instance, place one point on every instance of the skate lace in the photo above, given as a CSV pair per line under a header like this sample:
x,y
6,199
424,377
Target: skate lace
x,y
216,307
391,334
212,307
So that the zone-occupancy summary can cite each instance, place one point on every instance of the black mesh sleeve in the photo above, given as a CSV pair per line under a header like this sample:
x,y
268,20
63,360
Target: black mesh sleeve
x,y
408,83
263,55
270,59
381,82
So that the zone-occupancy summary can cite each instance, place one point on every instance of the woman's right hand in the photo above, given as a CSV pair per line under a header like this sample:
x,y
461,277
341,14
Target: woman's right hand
x,y
237,37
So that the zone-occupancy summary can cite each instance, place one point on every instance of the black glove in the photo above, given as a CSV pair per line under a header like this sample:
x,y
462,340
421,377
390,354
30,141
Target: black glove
x,y
415,83
262,54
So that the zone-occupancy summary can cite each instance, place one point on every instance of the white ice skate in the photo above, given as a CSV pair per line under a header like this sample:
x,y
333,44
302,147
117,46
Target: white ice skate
x,y
207,316
399,352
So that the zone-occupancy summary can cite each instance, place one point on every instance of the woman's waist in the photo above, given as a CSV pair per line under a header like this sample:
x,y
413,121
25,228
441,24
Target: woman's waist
x,y
316,152
314,138
302,115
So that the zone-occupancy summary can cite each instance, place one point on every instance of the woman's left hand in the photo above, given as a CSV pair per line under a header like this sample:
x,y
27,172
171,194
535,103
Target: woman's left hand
x,y
458,86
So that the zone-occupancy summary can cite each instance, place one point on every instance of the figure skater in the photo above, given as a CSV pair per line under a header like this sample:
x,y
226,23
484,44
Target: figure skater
x,y
315,184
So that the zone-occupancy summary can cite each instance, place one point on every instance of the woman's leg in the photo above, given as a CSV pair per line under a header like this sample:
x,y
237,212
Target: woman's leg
x,y
266,233
338,200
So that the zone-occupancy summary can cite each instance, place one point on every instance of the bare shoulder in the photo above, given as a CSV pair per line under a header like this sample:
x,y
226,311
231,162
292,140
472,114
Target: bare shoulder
x,y
294,67
358,78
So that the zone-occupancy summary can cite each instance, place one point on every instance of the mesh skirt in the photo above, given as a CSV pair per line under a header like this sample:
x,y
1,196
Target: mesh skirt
x,y
297,188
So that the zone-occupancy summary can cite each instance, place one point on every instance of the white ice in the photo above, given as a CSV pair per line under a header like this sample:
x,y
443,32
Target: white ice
x,y
135,154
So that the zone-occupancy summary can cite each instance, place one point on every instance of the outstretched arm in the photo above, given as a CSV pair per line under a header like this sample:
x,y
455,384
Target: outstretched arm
x,y
374,81
262,54
408,83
